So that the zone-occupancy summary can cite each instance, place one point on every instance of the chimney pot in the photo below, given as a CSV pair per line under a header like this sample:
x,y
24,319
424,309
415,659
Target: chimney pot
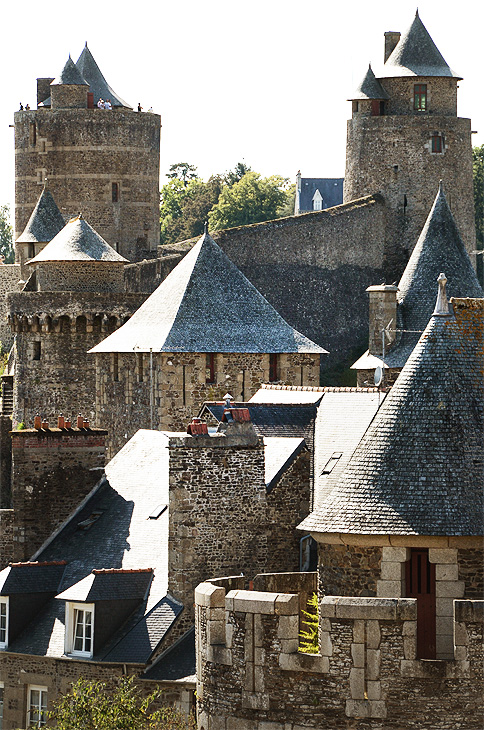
x,y
61,422
37,422
68,424
45,424
80,421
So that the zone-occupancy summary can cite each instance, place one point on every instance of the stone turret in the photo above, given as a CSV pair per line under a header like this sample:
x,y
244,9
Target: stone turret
x,y
103,162
404,136
73,299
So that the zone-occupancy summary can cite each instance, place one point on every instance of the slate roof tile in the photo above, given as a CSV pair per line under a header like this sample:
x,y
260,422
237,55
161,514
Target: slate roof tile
x,y
207,305
177,663
369,88
418,468
45,222
70,75
97,83
78,241
416,55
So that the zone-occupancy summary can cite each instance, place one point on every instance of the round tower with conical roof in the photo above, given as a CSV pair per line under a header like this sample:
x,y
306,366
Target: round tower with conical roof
x,y
73,299
405,136
103,161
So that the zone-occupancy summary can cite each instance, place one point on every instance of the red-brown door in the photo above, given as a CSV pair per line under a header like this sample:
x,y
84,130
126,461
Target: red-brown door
x,y
375,108
420,584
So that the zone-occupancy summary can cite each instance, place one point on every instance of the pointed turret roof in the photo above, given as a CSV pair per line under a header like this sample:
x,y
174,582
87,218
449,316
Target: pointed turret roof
x,y
100,88
45,222
416,55
439,248
70,75
369,88
419,468
78,241
207,305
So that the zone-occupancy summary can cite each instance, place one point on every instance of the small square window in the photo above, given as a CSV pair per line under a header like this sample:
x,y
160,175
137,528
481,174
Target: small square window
x,y
331,463
210,367
115,192
36,350
273,367
437,143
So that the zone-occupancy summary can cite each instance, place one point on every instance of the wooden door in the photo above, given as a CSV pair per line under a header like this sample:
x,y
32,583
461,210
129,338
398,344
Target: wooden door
x,y
420,584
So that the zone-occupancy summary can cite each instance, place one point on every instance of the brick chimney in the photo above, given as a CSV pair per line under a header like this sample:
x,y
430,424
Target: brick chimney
x,y
382,316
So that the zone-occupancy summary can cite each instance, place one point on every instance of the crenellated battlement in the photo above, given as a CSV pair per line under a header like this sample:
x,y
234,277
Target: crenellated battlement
x,y
250,672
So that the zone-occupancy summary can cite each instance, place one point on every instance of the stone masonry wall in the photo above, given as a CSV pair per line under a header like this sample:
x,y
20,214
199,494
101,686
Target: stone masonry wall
x,y
471,562
392,155
441,95
52,471
250,675
177,385
83,153
9,281
82,276
53,372
348,570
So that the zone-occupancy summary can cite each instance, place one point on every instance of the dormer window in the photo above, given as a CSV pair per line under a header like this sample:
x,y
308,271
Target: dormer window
x,y
79,629
317,201
420,97
3,622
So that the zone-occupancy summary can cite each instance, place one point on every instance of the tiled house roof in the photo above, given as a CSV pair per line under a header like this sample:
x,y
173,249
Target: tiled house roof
x,y
418,469
416,55
330,189
207,305
45,222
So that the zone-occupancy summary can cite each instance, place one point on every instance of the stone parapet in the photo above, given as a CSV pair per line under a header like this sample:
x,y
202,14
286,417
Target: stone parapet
x,y
251,676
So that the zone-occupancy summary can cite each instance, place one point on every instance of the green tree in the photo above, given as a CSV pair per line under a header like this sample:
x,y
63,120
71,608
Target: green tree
x,y
6,235
182,171
184,210
93,705
233,176
478,167
252,199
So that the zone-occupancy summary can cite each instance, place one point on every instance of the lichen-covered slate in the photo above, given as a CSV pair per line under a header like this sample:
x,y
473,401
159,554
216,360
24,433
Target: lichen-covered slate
x,y
78,241
369,88
70,75
439,248
100,88
419,467
45,222
207,305
416,55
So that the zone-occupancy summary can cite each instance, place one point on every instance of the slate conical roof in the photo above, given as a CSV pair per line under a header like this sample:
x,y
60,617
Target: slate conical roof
x,y
416,55
369,88
207,305
100,88
78,241
70,75
45,222
439,248
419,468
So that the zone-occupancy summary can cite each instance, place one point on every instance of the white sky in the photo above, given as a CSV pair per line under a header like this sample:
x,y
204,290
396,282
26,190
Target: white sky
x,y
264,81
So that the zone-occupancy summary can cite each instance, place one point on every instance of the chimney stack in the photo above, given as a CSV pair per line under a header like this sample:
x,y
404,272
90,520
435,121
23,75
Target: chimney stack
x,y
391,39
382,316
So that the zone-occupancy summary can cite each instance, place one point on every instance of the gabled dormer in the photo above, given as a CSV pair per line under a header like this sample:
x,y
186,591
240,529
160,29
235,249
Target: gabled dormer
x,y
98,605
24,589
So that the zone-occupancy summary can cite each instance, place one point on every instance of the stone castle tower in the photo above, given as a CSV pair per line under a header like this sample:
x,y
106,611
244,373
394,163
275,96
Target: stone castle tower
x,y
405,136
104,163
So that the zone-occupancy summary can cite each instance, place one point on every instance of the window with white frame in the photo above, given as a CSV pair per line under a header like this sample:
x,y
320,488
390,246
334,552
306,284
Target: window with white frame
x,y
37,706
3,622
79,629
317,201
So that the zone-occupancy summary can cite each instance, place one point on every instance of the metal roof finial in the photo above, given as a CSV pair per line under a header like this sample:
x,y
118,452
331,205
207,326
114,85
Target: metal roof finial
x,y
442,305
228,398
205,228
